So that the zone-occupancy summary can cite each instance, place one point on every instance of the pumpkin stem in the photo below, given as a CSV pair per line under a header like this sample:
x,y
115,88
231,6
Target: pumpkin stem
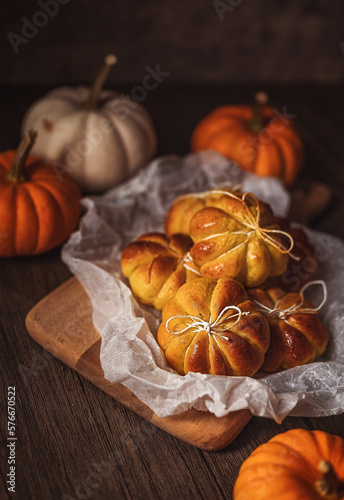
x,y
257,121
99,81
329,486
17,170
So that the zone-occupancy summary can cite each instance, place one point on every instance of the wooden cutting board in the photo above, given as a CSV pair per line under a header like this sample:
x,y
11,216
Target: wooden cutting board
x,y
62,324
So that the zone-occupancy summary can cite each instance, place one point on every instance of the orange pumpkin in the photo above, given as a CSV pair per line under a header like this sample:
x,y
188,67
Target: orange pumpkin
x,y
37,210
259,138
297,464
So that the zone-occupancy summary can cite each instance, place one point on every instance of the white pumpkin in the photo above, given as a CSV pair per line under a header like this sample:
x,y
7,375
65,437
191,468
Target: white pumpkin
x,y
100,138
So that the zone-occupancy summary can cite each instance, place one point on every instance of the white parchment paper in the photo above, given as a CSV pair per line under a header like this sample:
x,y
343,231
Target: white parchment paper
x,y
129,352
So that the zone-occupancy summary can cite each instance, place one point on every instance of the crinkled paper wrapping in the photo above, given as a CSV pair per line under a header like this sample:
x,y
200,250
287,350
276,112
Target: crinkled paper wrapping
x,y
129,351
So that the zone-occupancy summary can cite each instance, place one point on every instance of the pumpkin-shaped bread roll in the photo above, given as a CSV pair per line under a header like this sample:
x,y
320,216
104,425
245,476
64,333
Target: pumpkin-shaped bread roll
x,y
184,207
157,266
212,327
297,334
237,238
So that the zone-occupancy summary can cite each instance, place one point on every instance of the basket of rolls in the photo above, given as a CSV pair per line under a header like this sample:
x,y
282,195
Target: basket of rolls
x,y
207,297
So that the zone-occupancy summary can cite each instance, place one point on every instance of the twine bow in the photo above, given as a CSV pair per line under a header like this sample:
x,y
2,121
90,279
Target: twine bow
x,y
217,327
187,259
252,222
297,307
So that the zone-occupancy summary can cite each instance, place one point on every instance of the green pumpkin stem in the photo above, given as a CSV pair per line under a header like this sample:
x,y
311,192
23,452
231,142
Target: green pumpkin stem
x,y
99,81
257,121
17,170
329,486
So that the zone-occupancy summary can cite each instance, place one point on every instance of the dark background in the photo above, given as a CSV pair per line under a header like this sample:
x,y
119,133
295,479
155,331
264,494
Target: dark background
x,y
256,41
215,51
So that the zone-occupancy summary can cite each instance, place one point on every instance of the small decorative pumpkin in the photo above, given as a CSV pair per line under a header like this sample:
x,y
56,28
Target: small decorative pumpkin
x,y
258,138
100,138
157,267
211,327
37,211
236,237
297,464
297,334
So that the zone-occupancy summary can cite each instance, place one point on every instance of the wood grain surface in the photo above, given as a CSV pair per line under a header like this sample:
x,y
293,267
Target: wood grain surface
x,y
74,440
62,324
193,41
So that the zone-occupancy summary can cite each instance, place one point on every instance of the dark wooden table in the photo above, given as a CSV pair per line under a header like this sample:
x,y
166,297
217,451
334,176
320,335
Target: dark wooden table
x,y
74,441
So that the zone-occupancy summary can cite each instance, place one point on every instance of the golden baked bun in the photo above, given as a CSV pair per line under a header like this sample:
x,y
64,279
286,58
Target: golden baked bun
x,y
157,266
297,336
202,332
184,208
237,238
